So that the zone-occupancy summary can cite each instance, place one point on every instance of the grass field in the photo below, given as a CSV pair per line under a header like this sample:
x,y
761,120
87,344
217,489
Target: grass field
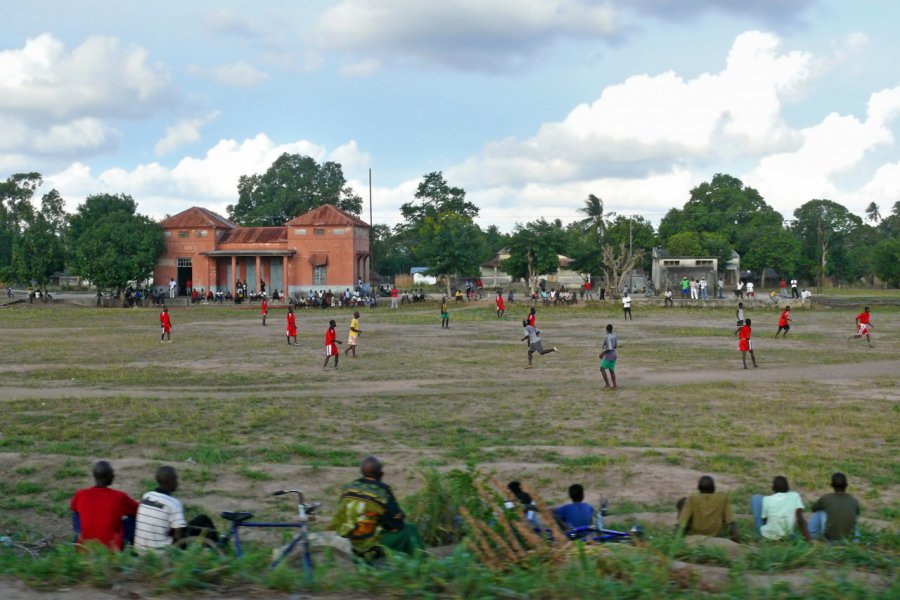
x,y
240,414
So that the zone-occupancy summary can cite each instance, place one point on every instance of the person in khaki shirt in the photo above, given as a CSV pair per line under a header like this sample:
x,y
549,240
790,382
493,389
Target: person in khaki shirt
x,y
707,512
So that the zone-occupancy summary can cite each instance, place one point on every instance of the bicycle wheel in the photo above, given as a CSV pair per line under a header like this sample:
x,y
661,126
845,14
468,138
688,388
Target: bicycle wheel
x,y
325,548
199,542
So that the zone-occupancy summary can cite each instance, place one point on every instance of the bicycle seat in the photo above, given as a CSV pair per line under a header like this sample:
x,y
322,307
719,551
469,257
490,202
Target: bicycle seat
x,y
236,517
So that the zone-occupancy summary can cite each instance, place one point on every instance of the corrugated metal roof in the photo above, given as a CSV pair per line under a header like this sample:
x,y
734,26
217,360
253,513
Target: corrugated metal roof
x,y
327,215
254,235
195,217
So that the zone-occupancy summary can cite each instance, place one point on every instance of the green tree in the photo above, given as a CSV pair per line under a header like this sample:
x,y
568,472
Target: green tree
x,y
686,243
391,254
636,233
38,253
434,196
873,215
112,245
16,212
887,261
824,227
534,250
775,248
494,241
293,185
452,246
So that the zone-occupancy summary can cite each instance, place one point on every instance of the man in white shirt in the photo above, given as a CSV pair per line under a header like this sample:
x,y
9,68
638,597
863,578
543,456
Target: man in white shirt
x,y
626,307
160,516
750,292
704,295
776,516
795,293
172,287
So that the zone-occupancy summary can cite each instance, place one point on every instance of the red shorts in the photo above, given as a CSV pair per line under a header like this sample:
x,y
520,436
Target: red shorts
x,y
331,350
292,332
863,329
745,346
166,329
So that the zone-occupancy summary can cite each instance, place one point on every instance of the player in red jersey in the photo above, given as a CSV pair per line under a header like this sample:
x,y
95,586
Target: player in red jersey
x,y
744,344
500,307
784,322
165,325
532,316
331,343
291,326
863,325
264,309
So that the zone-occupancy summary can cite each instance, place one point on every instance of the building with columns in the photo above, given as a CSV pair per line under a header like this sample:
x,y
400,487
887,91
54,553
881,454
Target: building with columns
x,y
323,249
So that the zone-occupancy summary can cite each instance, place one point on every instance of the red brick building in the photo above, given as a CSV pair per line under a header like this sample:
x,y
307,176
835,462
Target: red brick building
x,y
325,248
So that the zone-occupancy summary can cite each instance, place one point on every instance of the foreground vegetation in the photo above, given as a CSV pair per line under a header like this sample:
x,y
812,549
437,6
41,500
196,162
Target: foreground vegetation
x,y
240,415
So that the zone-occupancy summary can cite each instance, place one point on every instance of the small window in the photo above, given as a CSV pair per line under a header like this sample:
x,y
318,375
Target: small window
x,y
320,275
338,231
318,232
184,234
671,263
184,262
299,232
167,234
704,262
202,233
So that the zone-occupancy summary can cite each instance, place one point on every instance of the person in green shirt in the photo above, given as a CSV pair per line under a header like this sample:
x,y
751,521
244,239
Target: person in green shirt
x,y
707,512
835,516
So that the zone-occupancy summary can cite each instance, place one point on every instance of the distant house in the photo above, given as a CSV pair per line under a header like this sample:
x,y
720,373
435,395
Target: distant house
x,y
667,270
421,277
325,248
493,275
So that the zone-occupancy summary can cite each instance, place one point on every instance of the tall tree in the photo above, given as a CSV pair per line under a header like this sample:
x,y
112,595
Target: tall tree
x,y
392,255
618,262
595,218
435,196
873,215
293,185
534,250
16,211
824,227
38,253
112,245
887,261
452,245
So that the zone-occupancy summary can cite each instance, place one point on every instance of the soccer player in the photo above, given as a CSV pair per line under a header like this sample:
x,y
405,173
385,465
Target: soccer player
x,y
534,342
165,325
291,326
264,309
331,343
500,307
784,322
739,315
445,316
532,316
354,334
608,357
744,344
862,326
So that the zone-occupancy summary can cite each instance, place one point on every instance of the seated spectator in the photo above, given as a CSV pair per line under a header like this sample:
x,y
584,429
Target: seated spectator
x,y
835,515
100,510
577,513
776,516
706,513
370,517
160,516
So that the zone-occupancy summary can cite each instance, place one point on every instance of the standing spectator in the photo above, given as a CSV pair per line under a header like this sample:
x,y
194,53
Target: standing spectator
x,y
704,295
685,287
100,510
172,287
395,302
626,307
707,512
165,324
588,290
608,357
775,516
720,291
783,286
695,289
445,315
795,293
188,286
739,315
264,309
835,515
750,292
739,290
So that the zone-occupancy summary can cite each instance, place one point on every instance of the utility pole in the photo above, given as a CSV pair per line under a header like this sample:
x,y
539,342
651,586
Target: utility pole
x,y
371,232
630,254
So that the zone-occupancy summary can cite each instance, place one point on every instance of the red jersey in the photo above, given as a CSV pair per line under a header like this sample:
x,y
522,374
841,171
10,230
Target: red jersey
x,y
330,336
587,286
784,319
265,307
100,511
394,293
531,319
863,318
291,325
499,302
744,338
164,321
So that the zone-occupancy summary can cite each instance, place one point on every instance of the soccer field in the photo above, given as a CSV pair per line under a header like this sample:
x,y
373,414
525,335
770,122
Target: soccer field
x,y
240,413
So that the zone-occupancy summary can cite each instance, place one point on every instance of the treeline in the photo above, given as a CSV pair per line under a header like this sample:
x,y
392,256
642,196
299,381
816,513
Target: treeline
x,y
109,243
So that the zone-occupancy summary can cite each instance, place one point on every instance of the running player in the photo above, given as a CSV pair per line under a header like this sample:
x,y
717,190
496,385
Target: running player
x,y
264,309
862,326
534,343
291,327
331,343
744,344
445,316
532,316
354,334
784,322
500,307
608,357
165,325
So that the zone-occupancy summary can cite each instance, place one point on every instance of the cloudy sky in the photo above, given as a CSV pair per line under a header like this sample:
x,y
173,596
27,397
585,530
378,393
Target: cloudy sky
x,y
530,105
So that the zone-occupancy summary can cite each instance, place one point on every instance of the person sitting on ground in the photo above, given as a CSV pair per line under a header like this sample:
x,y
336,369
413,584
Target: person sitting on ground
x,y
835,516
775,516
577,513
99,511
370,517
160,516
707,512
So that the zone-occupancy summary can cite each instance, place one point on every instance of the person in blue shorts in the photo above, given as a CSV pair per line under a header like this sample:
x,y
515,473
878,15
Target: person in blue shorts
x,y
608,357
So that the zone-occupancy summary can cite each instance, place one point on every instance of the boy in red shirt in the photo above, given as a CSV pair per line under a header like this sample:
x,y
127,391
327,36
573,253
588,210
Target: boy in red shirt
x,y
744,344
264,309
862,326
784,322
531,317
331,343
165,324
500,307
100,509
291,326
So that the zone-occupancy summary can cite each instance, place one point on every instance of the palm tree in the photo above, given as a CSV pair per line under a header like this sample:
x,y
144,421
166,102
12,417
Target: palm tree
x,y
897,208
595,218
872,213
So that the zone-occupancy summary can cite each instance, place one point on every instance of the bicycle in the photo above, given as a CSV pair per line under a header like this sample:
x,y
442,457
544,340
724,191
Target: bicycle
x,y
25,549
301,549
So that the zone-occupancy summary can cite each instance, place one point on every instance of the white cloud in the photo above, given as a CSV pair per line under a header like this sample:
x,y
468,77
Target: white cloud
x,y
466,34
240,74
183,132
229,23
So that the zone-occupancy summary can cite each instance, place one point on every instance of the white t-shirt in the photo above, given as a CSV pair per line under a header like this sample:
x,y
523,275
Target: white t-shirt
x,y
158,514
626,301
780,512
749,286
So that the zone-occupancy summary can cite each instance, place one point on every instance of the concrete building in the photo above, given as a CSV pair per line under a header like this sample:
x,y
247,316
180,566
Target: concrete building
x,y
667,271
325,248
